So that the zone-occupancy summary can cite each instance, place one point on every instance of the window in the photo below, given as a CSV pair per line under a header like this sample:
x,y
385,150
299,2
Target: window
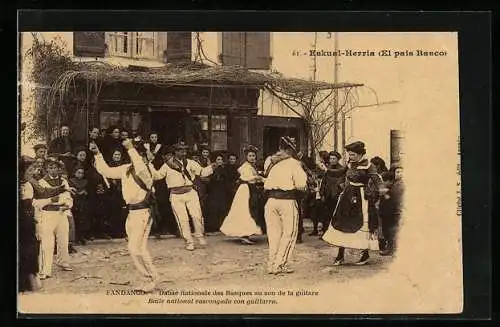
x,y
219,131
133,44
248,49
145,45
119,44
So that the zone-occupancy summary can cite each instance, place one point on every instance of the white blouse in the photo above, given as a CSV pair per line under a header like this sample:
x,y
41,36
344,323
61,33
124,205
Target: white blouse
x,y
247,172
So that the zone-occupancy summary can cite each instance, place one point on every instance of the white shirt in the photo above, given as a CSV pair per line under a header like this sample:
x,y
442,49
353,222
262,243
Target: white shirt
x,y
286,175
131,192
174,178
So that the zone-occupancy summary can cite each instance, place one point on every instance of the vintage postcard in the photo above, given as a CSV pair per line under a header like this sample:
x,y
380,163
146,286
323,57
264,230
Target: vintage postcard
x,y
239,172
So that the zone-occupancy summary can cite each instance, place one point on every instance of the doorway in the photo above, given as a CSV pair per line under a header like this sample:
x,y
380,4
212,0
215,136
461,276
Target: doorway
x,y
170,126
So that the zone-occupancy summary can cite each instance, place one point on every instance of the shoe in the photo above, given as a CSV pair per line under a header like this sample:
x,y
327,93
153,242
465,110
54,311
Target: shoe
x,y
43,276
202,241
314,233
190,246
363,260
338,262
158,236
285,270
246,241
65,268
272,271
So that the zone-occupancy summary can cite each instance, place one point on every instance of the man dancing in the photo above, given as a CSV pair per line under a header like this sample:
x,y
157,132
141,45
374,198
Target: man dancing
x,y
179,174
136,191
285,176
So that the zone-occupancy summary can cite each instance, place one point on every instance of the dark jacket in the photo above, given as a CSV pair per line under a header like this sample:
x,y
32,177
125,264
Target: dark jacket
x,y
332,180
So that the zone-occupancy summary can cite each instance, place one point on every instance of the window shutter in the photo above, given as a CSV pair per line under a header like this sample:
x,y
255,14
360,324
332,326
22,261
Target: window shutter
x,y
232,50
178,47
89,44
258,54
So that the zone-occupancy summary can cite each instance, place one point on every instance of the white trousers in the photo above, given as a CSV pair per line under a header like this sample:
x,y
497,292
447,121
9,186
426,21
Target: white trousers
x,y
138,227
282,221
53,224
183,206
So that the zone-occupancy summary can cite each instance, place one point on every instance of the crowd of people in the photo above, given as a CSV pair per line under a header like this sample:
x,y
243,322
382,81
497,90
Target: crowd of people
x,y
123,186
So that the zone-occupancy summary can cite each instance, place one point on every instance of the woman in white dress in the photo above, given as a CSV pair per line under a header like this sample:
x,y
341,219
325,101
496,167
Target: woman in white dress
x,y
239,222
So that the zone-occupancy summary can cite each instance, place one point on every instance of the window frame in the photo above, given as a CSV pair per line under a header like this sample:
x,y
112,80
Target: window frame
x,y
133,39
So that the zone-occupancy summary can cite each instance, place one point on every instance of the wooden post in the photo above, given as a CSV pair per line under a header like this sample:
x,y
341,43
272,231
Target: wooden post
x,y
397,137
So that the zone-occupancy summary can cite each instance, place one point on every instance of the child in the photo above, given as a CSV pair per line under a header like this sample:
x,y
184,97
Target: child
x,y
80,205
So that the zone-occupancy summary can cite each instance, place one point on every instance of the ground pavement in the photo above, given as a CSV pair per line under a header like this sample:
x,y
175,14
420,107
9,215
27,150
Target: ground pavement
x,y
102,265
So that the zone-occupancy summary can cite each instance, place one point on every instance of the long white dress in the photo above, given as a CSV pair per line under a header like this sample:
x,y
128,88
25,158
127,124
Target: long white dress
x,y
239,221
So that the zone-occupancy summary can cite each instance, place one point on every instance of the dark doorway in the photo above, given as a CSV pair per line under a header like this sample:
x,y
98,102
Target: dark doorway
x,y
272,137
170,126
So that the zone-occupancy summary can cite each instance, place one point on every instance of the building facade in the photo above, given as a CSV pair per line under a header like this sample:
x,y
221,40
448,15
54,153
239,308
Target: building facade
x,y
226,117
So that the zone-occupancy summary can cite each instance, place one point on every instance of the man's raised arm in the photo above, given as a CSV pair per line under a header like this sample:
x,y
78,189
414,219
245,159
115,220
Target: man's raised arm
x,y
102,167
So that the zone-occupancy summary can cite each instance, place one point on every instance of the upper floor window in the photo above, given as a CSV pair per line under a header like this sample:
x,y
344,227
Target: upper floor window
x,y
133,44
248,49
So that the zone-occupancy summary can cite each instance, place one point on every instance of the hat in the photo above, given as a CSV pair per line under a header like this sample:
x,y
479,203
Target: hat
x,y
39,146
180,146
336,154
288,142
356,147
250,148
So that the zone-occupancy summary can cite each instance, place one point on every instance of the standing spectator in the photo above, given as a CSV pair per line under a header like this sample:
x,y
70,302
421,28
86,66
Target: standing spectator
x,y
153,148
113,143
330,188
153,153
27,238
391,207
116,212
232,168
62,147
373,197
124,135
80,205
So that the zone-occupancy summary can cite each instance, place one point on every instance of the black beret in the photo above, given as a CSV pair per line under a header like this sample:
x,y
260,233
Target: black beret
x,y
356,147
